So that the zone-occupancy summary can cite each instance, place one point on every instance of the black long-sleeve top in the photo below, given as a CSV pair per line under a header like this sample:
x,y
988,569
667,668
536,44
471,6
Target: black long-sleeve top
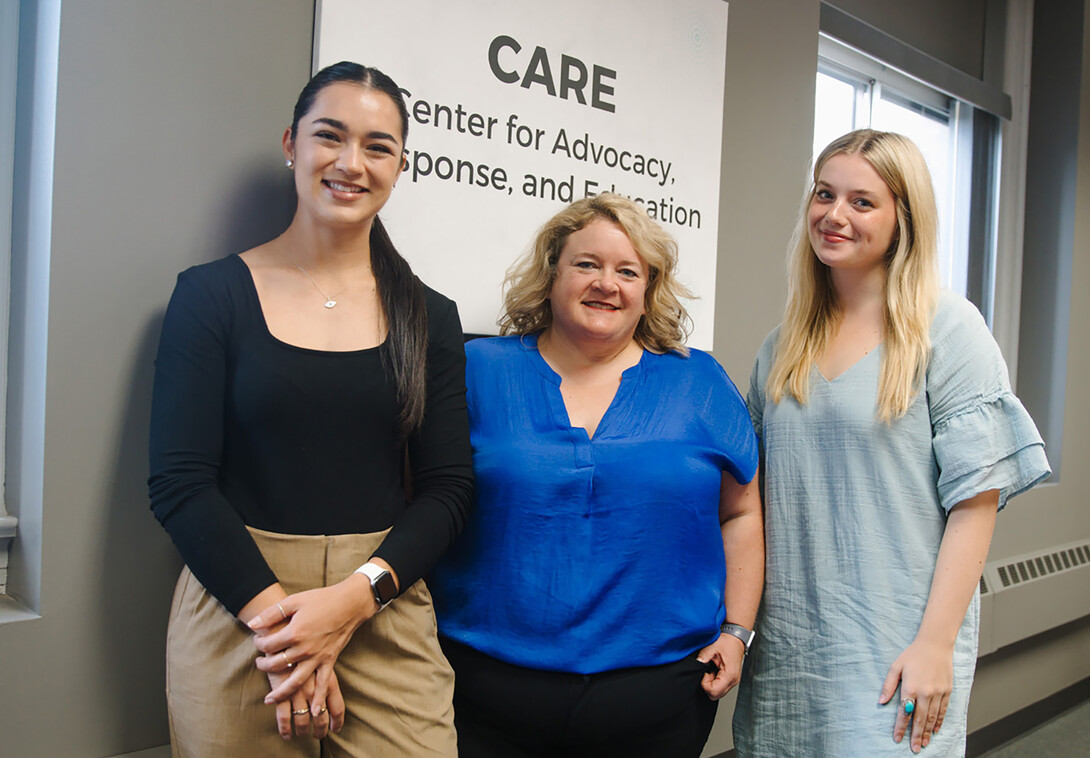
x,y
248,430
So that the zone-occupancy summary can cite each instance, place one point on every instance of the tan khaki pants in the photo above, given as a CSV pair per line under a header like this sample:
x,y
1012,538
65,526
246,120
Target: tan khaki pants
x,y
396,683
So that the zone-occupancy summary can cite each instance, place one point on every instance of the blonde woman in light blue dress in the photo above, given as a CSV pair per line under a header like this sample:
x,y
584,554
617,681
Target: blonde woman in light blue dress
x,y
891,439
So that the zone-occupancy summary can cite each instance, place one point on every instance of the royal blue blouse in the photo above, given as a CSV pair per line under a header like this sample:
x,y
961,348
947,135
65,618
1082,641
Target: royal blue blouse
x,y
587,555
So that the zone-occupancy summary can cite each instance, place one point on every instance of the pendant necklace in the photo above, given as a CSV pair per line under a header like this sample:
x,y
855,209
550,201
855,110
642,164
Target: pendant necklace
x,y
330,300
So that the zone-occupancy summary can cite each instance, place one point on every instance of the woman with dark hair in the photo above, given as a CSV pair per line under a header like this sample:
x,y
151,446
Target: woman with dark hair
x,y
293,384
604,592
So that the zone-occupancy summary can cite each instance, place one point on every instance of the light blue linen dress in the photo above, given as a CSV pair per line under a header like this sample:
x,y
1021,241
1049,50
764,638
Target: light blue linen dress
x,y
854,513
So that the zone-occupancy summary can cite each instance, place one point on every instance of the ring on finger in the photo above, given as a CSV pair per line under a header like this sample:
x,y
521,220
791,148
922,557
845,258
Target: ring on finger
x,y
282,614
287,661
322,710
301,712
909,705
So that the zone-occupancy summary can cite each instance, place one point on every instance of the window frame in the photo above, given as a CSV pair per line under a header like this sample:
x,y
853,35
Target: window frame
x,y
969,246
875,84
1007,298
9,59
27,315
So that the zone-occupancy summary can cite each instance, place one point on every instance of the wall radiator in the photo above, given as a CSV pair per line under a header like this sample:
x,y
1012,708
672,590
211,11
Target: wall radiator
x,y
1027,594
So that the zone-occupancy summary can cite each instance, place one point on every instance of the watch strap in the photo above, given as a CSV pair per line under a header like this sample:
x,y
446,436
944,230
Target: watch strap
x,y
378,576
736,630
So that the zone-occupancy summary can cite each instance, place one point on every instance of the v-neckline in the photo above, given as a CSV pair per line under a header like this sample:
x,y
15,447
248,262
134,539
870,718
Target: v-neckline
x,y
560,408
850,368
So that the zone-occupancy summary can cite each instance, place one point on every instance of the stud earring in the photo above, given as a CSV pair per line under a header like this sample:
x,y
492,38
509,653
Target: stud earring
x,y
289,163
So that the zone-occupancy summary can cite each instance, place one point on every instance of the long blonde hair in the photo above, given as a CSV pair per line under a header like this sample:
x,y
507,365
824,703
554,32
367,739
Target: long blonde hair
x,y
911,289
664,324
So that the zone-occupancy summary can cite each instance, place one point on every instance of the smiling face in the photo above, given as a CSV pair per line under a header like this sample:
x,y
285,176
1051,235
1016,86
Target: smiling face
x,y
852,216
348,154
598,292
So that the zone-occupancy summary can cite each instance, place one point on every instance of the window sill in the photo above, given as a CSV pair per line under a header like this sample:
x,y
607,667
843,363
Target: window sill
x,y
12,610
8,526
7,530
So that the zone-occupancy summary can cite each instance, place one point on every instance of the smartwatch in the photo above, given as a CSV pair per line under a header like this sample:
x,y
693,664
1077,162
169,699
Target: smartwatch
x,y
382,583
735,630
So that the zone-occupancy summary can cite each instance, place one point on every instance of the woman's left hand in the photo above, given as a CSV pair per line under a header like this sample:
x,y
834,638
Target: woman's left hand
x,y
320,624
925,671
726,653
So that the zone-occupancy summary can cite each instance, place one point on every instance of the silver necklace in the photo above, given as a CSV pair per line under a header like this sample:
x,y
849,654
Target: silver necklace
x,y
330,300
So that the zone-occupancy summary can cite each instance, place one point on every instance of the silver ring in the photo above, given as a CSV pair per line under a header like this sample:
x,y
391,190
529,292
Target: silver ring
x,y
282,614
909,705
303,712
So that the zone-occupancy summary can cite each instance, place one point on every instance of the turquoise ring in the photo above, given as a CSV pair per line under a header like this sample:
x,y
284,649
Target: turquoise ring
x,y
909,704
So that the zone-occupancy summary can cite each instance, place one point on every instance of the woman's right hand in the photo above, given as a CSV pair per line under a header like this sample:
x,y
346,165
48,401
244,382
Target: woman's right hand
x,y
320,623
286,718
324,716
315,720
327,716
302,713
293,711
727,653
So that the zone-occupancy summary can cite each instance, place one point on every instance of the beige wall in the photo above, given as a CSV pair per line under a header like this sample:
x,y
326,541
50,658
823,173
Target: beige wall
x,y
952,32
169,119
1056,513
768,127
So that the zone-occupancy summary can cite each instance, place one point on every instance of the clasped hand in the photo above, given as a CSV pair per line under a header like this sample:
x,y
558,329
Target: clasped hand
x,y
301,638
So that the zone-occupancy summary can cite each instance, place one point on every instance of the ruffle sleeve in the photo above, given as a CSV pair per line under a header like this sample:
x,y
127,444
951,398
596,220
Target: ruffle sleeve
x,y
982,436
993,444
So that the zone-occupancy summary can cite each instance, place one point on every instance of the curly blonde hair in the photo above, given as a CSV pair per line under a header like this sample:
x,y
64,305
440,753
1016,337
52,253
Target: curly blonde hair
x,y
911,289
665,324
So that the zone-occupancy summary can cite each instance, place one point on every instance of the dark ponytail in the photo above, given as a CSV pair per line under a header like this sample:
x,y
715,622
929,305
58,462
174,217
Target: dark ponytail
x,y
406,350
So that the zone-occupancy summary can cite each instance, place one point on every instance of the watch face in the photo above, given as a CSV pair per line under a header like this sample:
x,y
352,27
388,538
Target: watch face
x,y
385,588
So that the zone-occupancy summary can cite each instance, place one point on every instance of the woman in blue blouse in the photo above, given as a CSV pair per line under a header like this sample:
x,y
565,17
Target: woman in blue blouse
x,y
603,594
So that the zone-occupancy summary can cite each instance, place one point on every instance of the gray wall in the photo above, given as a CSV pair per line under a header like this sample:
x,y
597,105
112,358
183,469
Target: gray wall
x,y
1055,513
169,119
952,32
768,130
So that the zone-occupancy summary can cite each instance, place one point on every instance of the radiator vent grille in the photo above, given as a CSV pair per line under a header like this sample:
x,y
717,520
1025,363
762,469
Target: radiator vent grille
x,y
1029,568
1029,593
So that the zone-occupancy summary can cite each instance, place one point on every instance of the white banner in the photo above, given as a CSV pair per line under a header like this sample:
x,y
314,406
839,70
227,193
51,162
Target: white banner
x,y
518,108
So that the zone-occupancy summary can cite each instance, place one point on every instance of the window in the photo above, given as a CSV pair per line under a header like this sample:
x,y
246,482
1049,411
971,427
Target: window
x,y
855,91
9,45
29,59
